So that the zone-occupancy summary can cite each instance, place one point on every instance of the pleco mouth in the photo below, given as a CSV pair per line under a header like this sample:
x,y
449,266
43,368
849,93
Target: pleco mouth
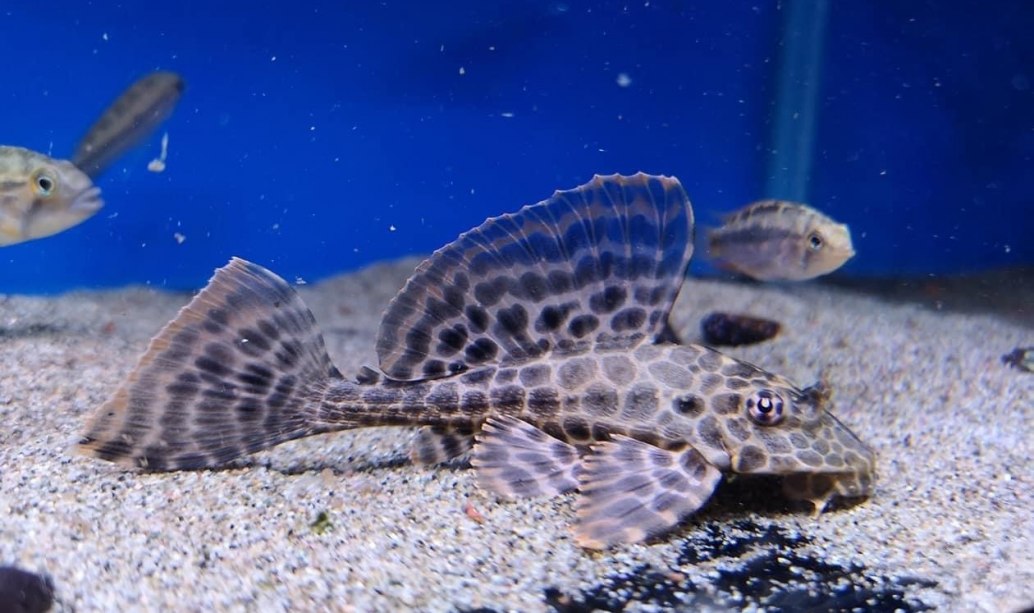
x,y
88,201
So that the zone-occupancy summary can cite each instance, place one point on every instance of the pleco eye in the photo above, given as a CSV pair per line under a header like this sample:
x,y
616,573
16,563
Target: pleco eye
x,y
815,242
44,184
765,407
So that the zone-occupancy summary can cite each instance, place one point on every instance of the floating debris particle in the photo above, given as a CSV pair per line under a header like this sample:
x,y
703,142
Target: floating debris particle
x,y
158,163
180,237
21,590
1021,358
735,329
322,523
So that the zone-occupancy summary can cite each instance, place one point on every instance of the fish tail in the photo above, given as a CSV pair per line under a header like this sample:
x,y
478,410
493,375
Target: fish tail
x,y
242,367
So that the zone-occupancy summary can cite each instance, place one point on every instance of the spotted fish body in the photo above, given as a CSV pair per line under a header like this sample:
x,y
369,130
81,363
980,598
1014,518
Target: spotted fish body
x,y
41,196
777,240
530,341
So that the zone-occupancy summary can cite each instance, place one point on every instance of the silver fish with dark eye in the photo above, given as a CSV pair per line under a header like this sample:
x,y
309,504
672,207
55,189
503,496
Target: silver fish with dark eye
x,y
776,240
41,196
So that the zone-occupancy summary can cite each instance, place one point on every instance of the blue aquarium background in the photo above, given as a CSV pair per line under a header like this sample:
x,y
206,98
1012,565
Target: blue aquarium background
x,y
320,137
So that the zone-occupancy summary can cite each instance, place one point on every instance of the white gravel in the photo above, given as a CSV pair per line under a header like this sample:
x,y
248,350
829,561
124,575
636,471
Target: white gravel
x,y
952,425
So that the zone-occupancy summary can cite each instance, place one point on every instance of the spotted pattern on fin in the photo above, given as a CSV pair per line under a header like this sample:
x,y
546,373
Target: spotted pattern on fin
x,y
596,266
515,459
242,368
631,490
437,444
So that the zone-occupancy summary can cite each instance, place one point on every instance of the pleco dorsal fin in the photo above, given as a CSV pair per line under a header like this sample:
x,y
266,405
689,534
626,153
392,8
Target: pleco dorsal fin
x,y
599,265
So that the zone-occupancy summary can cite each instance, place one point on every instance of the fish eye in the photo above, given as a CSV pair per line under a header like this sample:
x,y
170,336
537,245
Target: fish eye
x,y
765,407
815,241
44,184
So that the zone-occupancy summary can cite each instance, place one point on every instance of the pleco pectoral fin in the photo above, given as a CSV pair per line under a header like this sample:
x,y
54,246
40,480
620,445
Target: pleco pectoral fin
x,y
515,459
632,490
437,444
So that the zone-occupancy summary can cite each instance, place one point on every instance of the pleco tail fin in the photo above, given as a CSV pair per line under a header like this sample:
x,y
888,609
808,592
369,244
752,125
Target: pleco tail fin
x,y
242,368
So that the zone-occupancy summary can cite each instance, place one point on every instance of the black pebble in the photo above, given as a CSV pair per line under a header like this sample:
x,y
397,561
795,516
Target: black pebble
x,y
24,592
732,329
1021,358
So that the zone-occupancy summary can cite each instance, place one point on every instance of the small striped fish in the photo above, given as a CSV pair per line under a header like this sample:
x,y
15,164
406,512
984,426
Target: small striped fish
x,y
776,240
135,114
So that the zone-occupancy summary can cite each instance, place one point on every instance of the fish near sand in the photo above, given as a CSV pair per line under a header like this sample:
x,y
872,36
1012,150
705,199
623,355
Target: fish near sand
x,y
41,196
530,341
776,240
128,120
